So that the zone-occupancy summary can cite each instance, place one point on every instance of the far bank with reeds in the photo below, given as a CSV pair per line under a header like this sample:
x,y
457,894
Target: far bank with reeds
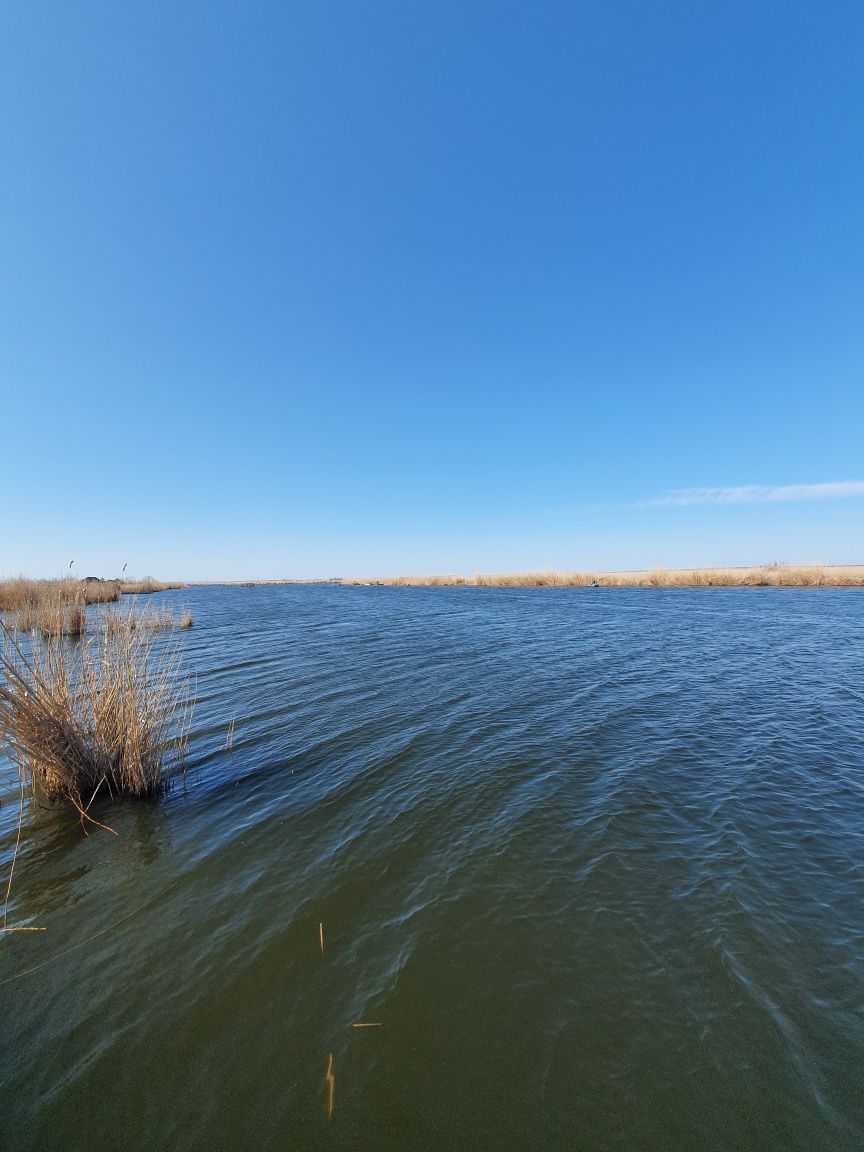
x,y
762,576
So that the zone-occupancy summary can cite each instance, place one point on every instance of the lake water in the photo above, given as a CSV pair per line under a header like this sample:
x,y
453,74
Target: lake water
x,y
593,859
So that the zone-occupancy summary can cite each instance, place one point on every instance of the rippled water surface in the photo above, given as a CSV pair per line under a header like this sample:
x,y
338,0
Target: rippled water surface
x,y
593,859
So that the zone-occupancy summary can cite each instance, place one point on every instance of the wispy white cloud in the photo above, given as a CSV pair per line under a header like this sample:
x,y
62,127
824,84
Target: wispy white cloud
x,y
757,494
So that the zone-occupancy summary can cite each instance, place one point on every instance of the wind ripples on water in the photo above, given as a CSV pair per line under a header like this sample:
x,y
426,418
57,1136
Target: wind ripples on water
x,y
592,859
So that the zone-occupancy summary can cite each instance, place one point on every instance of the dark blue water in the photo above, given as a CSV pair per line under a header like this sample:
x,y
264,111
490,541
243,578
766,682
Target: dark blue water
x,y
593,859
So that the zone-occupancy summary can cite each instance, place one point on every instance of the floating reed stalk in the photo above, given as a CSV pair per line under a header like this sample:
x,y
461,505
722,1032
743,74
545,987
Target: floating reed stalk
x,y
107,714
330,1080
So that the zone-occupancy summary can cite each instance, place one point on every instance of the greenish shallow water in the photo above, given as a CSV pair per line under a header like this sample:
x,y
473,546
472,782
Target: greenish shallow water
x,y
594,859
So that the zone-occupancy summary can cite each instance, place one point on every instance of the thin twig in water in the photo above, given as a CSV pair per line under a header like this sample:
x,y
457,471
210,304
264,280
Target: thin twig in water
x,y
321,937
85,815
365,1025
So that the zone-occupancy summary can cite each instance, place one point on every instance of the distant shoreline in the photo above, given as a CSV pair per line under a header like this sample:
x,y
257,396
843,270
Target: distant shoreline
x,y
758,576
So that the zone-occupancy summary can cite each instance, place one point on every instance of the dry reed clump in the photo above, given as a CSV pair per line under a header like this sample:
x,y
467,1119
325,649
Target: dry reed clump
x,y
146,586
52,619
19,593
57,609
107,715
100,591
148,620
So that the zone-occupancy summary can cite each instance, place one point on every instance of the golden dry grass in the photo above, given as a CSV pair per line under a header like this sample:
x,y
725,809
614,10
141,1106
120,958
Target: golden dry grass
x,y
146,586
50,607
765,575
425,581
19,593
105,715
534,579
48,619
762,576
57,607
148,619
100,591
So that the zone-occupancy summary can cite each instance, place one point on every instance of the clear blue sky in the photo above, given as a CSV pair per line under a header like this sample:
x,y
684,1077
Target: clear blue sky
x,y
360,288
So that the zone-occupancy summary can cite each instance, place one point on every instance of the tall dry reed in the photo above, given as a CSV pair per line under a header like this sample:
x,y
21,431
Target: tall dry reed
x,y
150,620
106,715
19,593
535,580
146,586
425,581
765,575
52,620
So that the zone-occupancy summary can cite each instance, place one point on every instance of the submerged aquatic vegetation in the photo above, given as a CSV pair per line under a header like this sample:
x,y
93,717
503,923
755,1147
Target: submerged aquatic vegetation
x,y
108,714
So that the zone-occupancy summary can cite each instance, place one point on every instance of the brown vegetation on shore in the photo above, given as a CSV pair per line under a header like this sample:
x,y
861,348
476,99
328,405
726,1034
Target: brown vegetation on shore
x,y
53,607
19,593
57,607
105,715
766,575
426,581
146,586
